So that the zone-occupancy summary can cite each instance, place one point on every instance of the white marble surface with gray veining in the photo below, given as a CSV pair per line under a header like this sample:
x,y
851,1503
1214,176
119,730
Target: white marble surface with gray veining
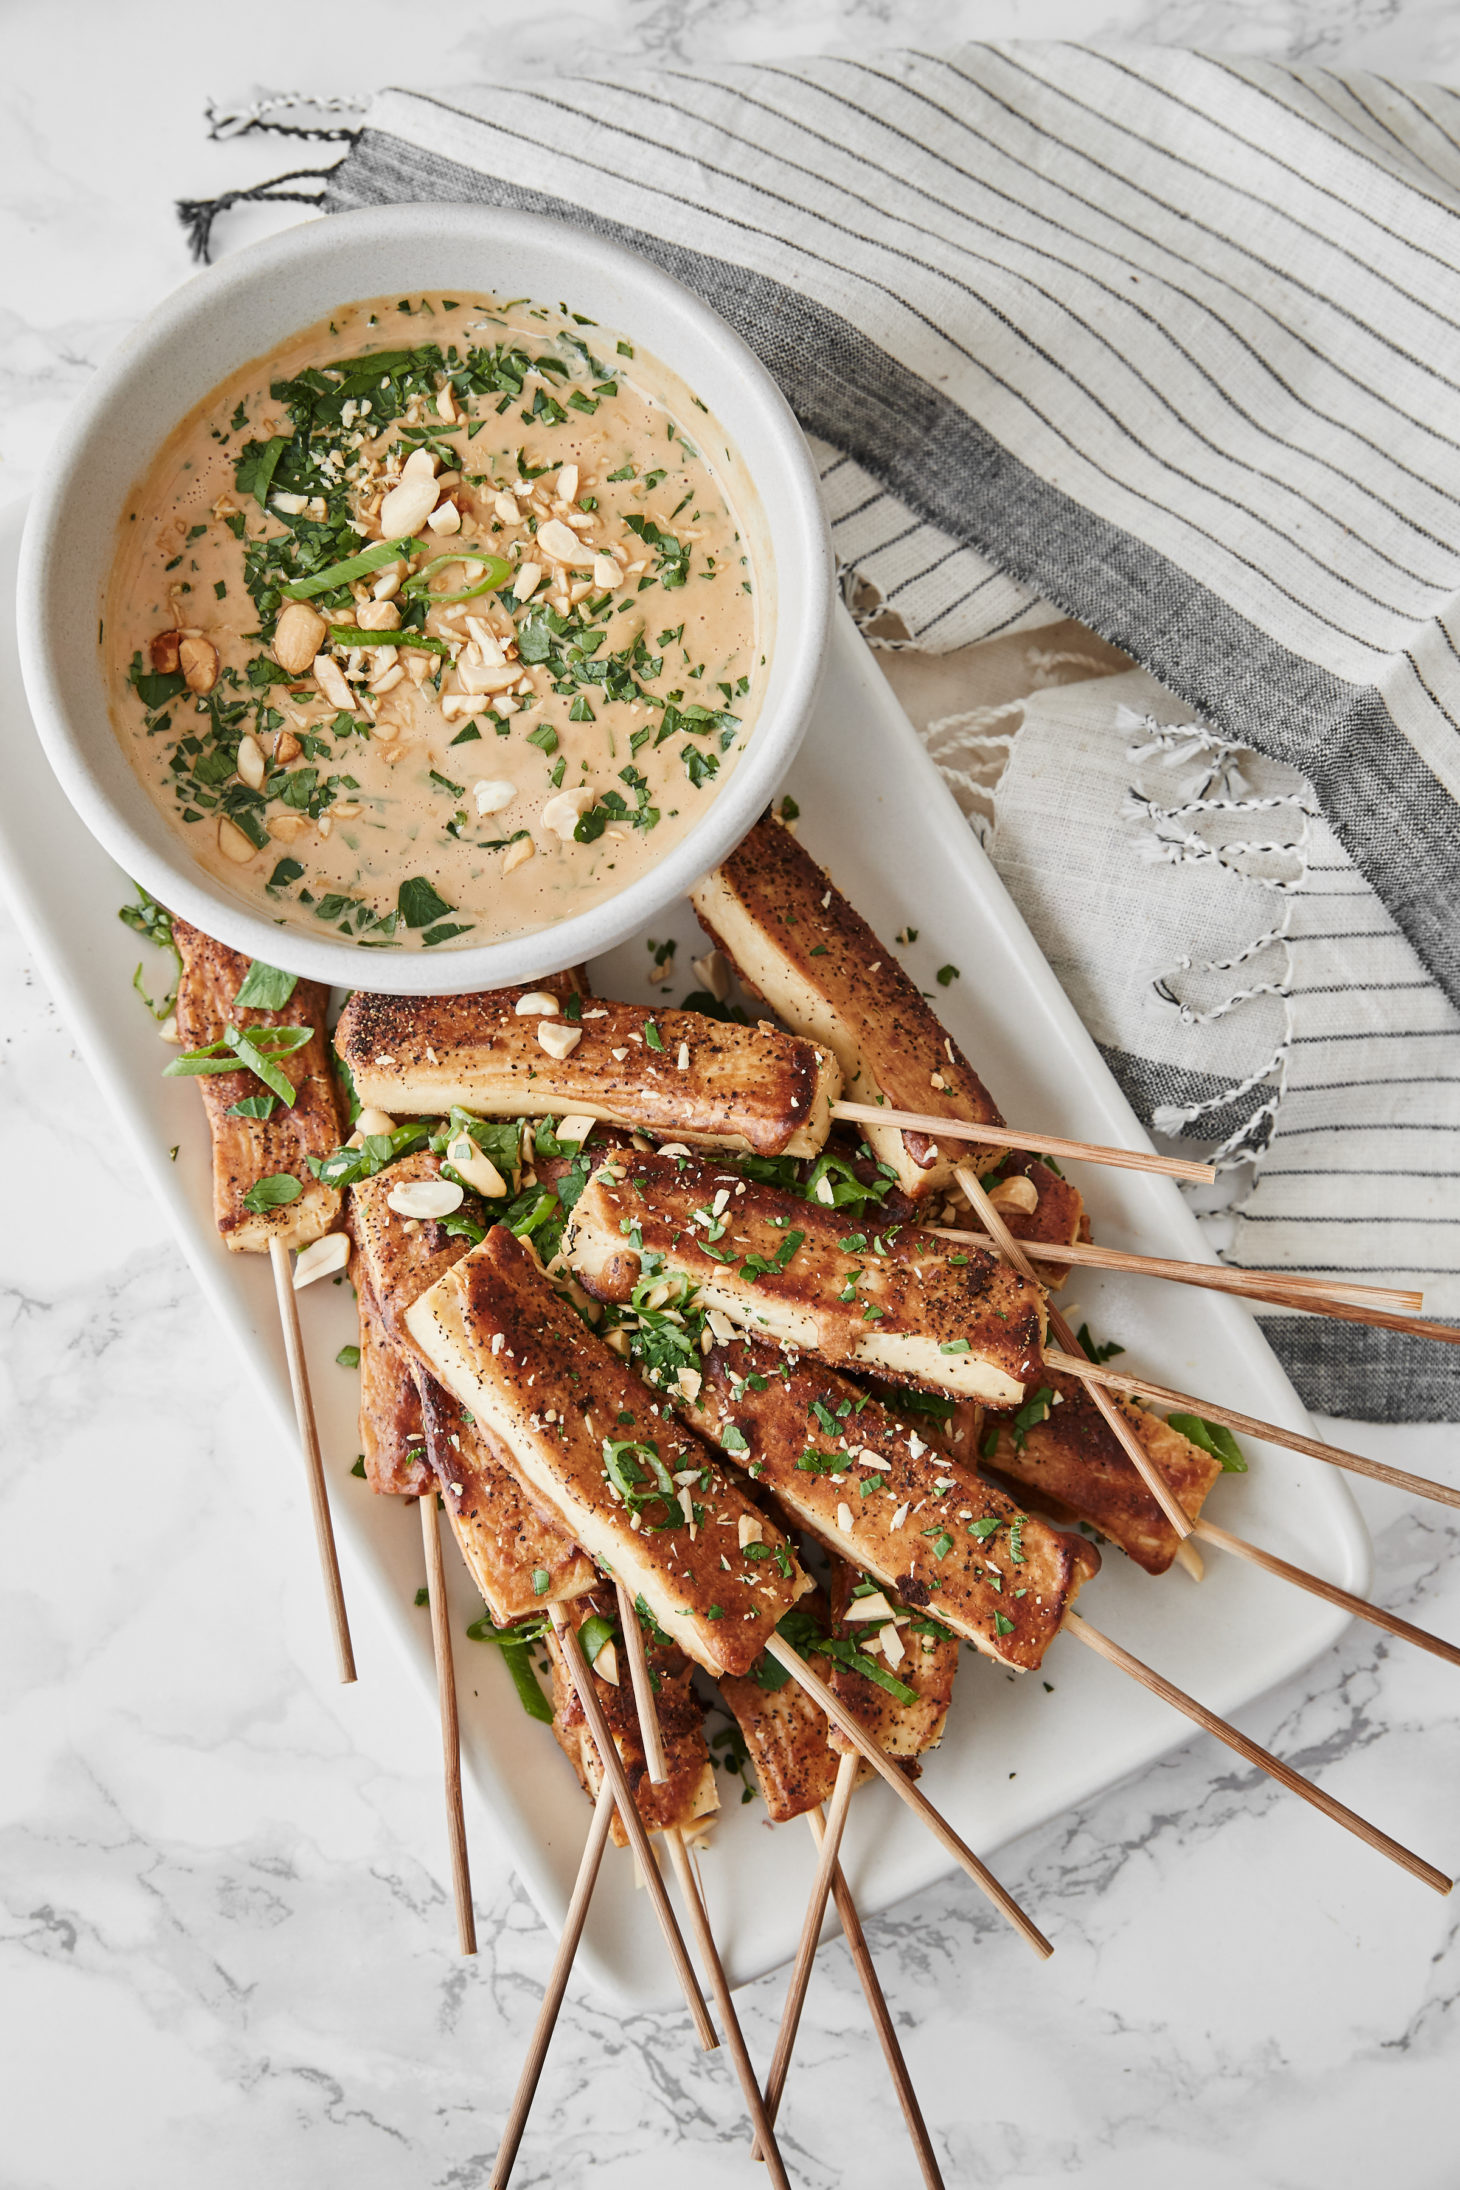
x,y
226,1950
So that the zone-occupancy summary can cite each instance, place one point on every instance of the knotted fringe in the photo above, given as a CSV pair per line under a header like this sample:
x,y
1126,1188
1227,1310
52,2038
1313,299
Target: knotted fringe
x,y
279,116
865,605
1170,745
972,754
312,115
199,214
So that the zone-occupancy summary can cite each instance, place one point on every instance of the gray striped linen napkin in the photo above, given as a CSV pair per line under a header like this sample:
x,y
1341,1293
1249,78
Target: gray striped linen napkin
x,y
1165,343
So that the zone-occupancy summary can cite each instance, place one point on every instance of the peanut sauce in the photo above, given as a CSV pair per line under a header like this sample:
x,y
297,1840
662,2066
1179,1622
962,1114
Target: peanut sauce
x,y
460,770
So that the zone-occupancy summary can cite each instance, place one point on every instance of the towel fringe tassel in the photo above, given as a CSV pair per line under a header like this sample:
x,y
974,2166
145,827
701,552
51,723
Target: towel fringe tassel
x,y
198,215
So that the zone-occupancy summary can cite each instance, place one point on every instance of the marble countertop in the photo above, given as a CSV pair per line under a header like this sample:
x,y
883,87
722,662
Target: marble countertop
x,y
226,1947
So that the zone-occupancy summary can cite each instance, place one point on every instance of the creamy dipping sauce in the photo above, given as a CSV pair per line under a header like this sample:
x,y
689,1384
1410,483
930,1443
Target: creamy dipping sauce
x,y
439,625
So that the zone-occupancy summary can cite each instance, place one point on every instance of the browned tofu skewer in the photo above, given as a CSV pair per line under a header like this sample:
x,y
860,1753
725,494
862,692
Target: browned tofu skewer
x,y
392,1433
1058,1451
785,1732
266,1199
278,1144
680,1796
919,1312
495,1330
509,1543
675,1256
517,1052
797,943
908,1646
873,1489
590,1446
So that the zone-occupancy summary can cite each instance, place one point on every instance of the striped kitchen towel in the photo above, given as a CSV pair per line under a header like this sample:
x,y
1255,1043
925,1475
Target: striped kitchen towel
x,y
1168,343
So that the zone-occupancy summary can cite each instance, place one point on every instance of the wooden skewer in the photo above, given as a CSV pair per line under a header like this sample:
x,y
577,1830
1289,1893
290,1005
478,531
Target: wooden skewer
x,y
324,1534
1038,1144
1099,1382
1312,1294
830,1844
1013,1251
1181,1521
779,1649
1359,1608
633,1824
856,1938
1207,1531
466,1923
689,1886
557,1986
1265,1761
1443,1334
1270,1433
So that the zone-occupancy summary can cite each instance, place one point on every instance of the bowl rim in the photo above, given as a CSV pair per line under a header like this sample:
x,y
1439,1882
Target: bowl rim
x,y
183,885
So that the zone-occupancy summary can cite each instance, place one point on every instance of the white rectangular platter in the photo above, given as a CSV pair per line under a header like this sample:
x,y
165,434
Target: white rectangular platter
x,y
1016,1754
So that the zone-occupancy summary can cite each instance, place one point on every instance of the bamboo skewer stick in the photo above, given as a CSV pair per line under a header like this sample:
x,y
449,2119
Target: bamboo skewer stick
x,y
856,1938
1271,1433
557,1985
1135,1451
1037,1144
1207,1531
810,1940
324,1534
765,2135
779,1649
466,1923
689,1886
633,1824
1264,1760
1312,1294
1443,1334
1358,1608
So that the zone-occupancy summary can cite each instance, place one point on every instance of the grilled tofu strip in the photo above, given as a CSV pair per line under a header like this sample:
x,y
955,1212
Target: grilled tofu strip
x,y
925,1312
914,1649
246,1150
569,1412
1072,1466
671,1073
507,1543
795,941
880,1497
1056,1219
520,1559
392,1438
785,1730
400,1256
687,1795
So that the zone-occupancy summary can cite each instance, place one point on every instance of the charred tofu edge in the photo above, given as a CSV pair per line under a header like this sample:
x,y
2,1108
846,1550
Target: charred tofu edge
x,y
444,1323
770,907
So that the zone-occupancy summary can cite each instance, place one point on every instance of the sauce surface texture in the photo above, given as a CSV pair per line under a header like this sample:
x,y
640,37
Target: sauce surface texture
x,y
438,625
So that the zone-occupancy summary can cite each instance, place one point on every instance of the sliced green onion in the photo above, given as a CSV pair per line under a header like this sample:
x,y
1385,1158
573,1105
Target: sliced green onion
x,y
496,571
354,566
351,635
519,1664
252,1052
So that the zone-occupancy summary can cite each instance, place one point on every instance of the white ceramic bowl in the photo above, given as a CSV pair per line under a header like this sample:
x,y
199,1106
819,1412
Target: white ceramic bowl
x,y
243,309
